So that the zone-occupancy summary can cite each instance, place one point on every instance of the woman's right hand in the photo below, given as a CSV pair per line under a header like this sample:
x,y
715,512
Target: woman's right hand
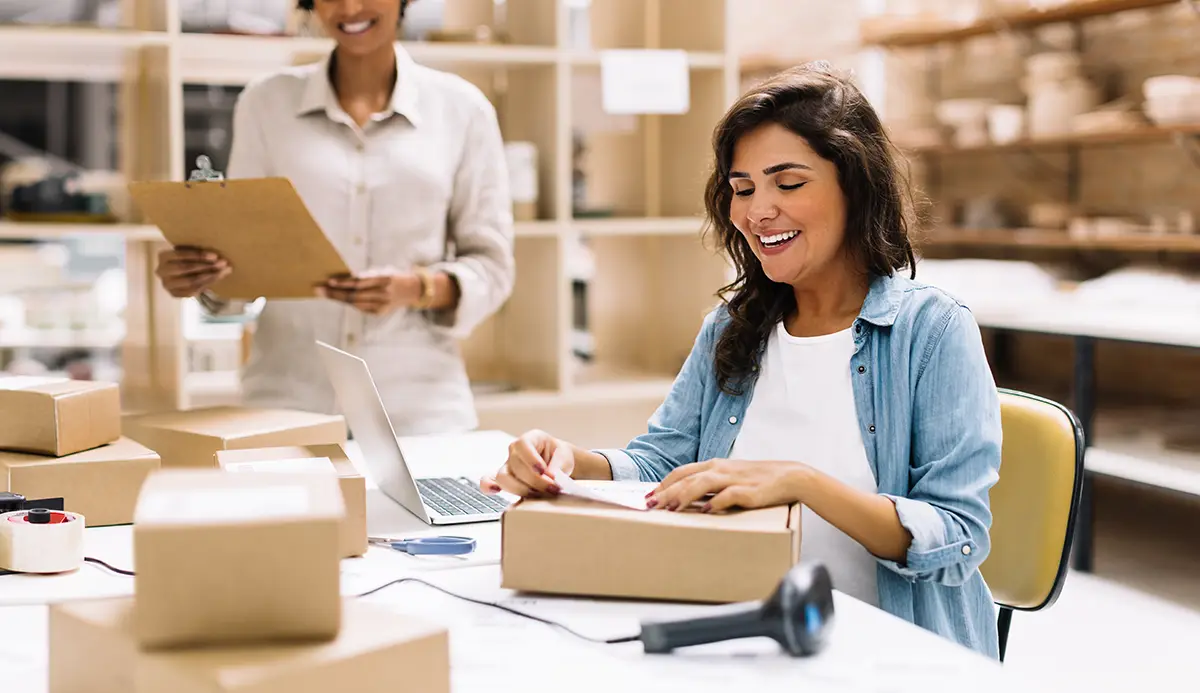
x,y
533,460
185,272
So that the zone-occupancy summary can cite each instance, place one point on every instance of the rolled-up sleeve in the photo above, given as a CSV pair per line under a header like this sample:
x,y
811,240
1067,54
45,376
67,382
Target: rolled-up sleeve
x,y
956,447
481,228
672,438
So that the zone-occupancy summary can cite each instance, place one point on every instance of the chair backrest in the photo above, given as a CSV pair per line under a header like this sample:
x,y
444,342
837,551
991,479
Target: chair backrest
x,y
1034,502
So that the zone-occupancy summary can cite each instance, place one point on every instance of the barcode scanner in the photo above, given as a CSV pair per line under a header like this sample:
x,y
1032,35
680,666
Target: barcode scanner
x,y
798,615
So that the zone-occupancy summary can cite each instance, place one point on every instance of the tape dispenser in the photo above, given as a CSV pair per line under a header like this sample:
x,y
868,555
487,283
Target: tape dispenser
x,y
39,539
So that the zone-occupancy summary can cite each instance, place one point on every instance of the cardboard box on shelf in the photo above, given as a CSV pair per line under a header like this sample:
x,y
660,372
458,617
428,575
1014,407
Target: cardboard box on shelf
x,y
102,484
93,648
579,547
236,558
299,458
192,438
57,416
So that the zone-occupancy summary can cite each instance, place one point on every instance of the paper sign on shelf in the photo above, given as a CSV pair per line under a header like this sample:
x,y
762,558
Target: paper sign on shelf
x,y
644,81
625,495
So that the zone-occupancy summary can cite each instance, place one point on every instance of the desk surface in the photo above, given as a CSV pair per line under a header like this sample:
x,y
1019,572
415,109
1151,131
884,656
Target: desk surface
x,y
497,652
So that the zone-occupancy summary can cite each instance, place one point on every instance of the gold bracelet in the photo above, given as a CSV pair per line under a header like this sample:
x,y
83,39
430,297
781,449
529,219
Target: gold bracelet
x,y
425,302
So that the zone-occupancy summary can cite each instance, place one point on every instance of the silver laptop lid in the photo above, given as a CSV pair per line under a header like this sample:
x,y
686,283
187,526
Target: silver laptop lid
x,y
363,409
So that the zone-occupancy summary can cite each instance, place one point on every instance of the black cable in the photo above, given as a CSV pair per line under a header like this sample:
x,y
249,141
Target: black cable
x,y
506,609
118,571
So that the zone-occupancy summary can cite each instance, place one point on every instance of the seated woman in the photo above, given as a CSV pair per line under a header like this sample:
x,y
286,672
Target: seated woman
x,y
826,377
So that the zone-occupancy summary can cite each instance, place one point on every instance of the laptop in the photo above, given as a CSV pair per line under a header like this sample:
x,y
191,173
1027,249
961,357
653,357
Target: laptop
x,y
444,500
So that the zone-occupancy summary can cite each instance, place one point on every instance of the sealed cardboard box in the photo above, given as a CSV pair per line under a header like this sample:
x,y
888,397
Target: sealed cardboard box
x,y
57,416
102,484
192,438
93,650
578,547
317,458
236,558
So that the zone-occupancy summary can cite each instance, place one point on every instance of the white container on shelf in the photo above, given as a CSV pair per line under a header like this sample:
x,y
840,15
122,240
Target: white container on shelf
x,y
1172,99
1006,123
521,158
1054,105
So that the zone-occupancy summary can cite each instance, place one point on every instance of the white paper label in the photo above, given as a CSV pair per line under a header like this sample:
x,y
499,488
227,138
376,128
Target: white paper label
x,y
644,81
228,504
624,495
24,382
300,465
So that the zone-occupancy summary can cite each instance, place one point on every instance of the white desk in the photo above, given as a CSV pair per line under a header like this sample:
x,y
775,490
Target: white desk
x,y
496,652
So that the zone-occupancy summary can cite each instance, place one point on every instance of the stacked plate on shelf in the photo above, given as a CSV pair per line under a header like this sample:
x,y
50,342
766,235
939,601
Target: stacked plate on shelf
x,y
1172,99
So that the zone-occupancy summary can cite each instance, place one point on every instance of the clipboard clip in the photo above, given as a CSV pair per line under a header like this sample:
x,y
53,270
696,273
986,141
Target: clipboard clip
x,y
205,172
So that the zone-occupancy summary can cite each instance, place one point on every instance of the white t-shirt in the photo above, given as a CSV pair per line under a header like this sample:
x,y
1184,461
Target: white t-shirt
x,y
803,410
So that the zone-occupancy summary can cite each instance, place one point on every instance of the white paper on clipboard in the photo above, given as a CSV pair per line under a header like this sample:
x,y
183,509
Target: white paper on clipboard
x,y
631,496
634,81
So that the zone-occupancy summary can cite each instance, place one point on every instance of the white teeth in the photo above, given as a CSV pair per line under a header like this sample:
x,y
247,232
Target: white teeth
x,y
357,27
779,238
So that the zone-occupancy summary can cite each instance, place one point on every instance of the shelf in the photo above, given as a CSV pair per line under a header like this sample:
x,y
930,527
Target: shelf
x,y
537,229
697,60
639,226
34,230
1167,470
890,32
230,60
70,53
1148,134
1051,239
31,338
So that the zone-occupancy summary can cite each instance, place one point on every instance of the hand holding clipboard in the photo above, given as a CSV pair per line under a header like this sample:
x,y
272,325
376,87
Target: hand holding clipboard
x,y
261,228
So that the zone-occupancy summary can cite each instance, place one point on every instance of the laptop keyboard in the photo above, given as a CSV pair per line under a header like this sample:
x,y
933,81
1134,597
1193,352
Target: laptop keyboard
x,y
457,497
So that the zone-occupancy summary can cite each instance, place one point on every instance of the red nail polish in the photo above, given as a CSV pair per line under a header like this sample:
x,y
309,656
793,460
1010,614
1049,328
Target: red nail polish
x,y
554,489
539,469
707,508
650,494
495,488
672,505
652,503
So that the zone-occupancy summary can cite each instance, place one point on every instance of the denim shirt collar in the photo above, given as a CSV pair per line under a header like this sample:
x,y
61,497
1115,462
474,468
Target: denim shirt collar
x,y
882,304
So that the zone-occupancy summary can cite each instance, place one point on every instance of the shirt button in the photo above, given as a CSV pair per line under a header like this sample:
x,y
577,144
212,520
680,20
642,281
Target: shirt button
x,y
362,188
862,369
871,428
350,339
966,550
733,419
358,240
858,329
360,146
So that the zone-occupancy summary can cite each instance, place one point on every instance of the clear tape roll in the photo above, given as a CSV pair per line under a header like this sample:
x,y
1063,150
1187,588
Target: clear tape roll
x,y
53,547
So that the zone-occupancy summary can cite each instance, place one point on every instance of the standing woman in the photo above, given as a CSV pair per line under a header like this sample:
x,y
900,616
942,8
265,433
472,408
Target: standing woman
x,y
403,168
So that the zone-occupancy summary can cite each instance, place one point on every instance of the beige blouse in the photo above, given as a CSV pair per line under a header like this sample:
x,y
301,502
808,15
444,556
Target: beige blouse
x,y
423,184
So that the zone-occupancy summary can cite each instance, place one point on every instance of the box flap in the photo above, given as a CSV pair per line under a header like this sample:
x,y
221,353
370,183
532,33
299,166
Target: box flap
x,y
121,449
230,423
774,519
335,453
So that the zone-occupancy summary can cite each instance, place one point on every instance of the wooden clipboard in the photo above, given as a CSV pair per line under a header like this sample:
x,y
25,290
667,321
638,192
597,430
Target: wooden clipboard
x,y
260,225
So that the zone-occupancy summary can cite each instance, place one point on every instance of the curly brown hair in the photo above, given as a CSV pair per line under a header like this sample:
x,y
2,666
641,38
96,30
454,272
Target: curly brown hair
x,y
838,122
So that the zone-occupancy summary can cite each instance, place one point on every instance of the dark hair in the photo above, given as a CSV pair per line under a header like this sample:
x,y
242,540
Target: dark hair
x,y
840,125
308,5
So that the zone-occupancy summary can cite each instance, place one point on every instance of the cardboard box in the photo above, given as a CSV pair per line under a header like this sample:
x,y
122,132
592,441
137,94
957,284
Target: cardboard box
x,y
102,484
58,416
578,547
235,558
192,438
93,650
313,458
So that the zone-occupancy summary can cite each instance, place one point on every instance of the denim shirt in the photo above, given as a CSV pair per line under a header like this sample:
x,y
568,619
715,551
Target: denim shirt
x,y
929,415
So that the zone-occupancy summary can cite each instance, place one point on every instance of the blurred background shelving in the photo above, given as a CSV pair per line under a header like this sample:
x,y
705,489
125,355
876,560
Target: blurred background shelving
x,y
146,85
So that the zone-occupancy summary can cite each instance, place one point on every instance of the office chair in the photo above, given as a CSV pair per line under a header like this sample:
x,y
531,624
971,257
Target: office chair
x,y
1034,505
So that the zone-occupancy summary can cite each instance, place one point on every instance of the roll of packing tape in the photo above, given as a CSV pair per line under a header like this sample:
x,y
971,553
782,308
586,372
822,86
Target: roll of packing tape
x,y
41,541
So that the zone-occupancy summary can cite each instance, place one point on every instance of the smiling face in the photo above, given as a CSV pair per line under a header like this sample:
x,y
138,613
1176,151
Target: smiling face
x,y
359,26
788,205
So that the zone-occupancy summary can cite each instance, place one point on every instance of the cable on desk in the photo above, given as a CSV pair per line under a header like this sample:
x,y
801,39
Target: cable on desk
x,y
118,571
506,609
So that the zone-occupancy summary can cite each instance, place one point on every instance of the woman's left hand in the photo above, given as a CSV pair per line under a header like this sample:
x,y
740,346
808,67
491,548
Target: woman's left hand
x,y
376,293
740,483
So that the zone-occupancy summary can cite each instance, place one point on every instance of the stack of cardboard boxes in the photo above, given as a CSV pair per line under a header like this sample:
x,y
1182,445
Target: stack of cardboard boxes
x,y
237,590
61,438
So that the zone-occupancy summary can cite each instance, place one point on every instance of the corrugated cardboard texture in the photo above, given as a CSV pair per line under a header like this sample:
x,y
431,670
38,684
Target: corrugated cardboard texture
x,y
93,650
354,486
101,484
192,438
261,226
237,558
60,417
576,547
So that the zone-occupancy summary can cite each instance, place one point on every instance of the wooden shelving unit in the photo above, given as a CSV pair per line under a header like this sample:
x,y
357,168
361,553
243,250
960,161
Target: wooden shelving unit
x,y
1149,134
899,32
1054,239
653,281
